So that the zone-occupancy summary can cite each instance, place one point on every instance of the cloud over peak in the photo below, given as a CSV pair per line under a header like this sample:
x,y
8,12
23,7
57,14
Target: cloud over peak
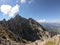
x,y
48,21
42,20
9,10
14,10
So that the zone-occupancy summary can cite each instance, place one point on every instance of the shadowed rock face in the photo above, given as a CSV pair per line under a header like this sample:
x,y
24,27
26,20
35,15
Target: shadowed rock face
x,y
27,29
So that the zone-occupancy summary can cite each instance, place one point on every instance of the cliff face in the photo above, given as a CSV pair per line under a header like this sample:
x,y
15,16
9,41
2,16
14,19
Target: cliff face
x,y
20,29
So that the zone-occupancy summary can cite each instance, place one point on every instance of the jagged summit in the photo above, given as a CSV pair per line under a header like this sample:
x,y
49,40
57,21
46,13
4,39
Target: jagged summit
x,y
17,16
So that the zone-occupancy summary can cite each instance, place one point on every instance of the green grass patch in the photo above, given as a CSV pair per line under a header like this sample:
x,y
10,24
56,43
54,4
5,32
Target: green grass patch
x,y
50,43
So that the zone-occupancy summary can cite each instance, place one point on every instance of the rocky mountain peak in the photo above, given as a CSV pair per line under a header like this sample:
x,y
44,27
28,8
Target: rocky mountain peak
x,y
17,16
27,29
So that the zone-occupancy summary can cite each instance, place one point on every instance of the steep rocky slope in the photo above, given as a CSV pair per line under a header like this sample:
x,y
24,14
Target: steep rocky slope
x,y
23,30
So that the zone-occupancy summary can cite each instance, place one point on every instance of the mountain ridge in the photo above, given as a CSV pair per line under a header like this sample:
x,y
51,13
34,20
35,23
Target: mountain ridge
x,y
24,29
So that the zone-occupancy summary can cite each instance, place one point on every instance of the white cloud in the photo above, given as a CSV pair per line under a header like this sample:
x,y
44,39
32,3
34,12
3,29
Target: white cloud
x,y
23,1
14,10
5,8
30,1
9,10
43,20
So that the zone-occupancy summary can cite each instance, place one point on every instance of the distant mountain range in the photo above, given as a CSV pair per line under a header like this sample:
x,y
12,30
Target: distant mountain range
x,y
55,27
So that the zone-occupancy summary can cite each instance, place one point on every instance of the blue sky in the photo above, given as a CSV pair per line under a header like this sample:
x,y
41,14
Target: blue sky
x,y
40,10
